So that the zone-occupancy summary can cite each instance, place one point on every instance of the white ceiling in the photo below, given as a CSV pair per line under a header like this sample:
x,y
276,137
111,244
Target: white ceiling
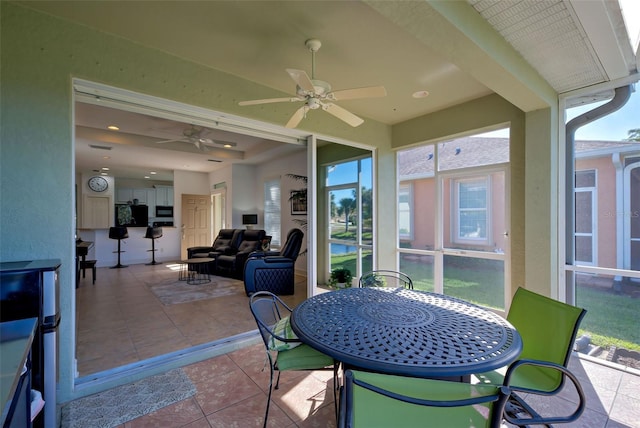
x,y
139,146
400,45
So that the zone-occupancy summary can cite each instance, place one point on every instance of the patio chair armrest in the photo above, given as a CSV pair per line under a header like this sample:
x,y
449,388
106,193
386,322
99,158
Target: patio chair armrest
x,y
535,418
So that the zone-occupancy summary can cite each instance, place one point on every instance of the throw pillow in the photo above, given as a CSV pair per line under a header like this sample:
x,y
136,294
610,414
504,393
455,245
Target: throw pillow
x,y
283,329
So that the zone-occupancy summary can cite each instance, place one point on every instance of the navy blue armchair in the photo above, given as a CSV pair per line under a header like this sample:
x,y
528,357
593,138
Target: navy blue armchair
x,y
274,271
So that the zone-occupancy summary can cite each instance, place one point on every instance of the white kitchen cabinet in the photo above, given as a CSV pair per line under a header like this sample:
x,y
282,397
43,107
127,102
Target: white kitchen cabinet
x,y
164,195
124,195
151,201
140,195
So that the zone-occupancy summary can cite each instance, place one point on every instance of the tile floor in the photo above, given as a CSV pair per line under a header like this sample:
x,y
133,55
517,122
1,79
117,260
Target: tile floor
x,y
120,321
232,388
231,392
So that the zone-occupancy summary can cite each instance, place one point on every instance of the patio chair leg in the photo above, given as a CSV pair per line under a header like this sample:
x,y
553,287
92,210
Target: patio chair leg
x,y
336,366
278,381
266,412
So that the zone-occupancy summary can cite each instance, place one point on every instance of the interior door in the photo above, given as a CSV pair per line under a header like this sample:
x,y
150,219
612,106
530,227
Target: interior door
x,y
196,222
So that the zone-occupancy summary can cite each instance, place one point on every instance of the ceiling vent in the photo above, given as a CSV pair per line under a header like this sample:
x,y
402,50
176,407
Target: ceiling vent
x,y
93,146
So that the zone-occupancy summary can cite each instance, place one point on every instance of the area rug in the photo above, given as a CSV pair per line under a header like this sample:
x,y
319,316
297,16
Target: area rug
x,y
127,402
172,291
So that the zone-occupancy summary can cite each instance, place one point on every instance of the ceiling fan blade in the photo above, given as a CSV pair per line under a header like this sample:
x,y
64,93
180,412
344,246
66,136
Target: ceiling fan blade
x,y
269,100
200,145
351,94
302,79
175,140
342,114
297,117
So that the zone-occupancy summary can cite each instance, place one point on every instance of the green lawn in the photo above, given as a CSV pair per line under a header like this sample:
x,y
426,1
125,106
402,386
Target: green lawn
x,y
611,319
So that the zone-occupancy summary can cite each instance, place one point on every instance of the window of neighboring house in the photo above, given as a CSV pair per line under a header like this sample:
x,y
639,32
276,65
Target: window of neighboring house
x,y
272,207
585,227
405,211
471,204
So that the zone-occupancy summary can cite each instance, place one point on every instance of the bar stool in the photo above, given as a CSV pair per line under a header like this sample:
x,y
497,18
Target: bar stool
x,y
119,233
153,233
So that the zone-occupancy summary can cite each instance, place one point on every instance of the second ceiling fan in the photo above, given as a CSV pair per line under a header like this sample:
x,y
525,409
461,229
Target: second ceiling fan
x,y
196,135
317,94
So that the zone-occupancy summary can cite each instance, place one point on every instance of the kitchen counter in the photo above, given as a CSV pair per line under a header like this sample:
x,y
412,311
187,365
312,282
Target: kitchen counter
x,y
16,338
135,248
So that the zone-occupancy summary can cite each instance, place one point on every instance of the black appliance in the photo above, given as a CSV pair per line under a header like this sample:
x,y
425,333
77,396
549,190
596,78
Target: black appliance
x,y
31,289
164,211
162,223
132,215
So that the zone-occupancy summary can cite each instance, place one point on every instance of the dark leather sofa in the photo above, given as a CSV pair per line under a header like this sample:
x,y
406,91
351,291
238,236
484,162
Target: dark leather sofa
x,y
230,250
274,271
232,265
226,242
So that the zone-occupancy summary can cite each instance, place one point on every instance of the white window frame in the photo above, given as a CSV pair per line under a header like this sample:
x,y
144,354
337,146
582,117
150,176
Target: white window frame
x,y
273,227
456,211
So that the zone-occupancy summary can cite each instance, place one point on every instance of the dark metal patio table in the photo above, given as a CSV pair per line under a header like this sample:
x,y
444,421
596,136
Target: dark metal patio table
x,y
406,332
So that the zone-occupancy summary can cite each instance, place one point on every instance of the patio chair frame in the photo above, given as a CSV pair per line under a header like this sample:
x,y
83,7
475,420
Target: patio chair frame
x,y
267,309
370,279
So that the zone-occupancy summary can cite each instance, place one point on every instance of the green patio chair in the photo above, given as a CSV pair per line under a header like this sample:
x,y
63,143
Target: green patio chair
x,y
284,350
372,400
548,329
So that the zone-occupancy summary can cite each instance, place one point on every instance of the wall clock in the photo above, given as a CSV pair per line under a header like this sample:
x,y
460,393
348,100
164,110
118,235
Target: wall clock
x,y
98,184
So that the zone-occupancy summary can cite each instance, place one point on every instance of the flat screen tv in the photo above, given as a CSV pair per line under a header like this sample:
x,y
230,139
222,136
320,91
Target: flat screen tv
x,y
249,218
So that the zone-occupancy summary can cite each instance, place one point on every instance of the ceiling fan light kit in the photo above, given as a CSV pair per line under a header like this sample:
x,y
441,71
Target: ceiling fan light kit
x,y
317,94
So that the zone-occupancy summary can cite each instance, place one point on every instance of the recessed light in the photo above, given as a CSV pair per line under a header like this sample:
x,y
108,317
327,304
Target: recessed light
x,y
420,94
106,157
152,172
103,173
146,176
227,145
113,128
104,168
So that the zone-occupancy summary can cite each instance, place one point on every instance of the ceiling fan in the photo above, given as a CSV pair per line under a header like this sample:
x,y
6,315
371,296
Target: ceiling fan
x,y
196,135
317,94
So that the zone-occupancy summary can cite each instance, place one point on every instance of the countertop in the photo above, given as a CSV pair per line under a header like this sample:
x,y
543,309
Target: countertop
x,y
43,265
16,338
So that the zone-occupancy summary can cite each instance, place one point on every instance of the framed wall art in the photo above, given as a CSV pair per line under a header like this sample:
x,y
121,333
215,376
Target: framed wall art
x,y
298,200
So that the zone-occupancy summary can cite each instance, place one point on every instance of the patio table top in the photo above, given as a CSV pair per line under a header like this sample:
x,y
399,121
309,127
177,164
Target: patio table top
x,y
406,332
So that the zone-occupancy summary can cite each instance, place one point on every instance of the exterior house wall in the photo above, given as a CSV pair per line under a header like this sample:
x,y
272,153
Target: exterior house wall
x,y
606,217
424,195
